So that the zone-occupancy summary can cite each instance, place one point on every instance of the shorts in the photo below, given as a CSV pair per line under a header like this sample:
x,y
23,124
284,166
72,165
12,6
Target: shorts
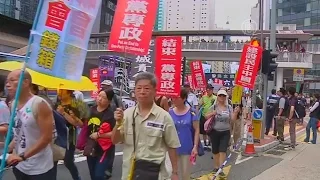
x,y
220,141
202,121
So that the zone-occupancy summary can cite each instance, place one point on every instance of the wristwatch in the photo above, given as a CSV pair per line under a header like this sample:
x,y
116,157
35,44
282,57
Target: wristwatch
x,y
22,156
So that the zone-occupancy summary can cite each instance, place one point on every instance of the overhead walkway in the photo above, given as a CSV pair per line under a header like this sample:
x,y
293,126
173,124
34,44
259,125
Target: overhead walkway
x,y
208,51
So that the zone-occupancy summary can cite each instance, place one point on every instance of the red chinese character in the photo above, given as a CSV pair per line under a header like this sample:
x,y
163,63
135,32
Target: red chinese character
x,y
57,14
80,22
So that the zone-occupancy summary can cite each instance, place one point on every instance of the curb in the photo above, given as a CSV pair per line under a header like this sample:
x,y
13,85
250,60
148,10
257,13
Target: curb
x,y
268,146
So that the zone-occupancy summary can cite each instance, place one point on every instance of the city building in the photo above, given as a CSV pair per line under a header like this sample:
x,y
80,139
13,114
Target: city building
x,y
305,14
255,14
158,26
107,13
23,10
189,15
104,20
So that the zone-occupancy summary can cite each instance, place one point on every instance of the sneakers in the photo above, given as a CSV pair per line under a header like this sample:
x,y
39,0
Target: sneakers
x,y
289,148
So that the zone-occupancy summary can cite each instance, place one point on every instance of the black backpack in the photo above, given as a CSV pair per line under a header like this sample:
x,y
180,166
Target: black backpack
x,y
300,110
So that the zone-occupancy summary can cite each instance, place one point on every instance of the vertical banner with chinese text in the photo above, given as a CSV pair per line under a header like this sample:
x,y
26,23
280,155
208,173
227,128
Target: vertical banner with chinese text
x,y
249,65
95,78
168,65
144,63
132,26
60,39
198,75
190,81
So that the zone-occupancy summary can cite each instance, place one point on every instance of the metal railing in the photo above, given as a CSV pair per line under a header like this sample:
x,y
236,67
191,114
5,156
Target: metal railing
x,y
210,46
294,57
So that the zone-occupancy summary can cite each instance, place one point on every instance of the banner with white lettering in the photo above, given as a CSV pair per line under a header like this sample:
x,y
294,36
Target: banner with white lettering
x,y
224,79
249,65
168,65
132,26
144,63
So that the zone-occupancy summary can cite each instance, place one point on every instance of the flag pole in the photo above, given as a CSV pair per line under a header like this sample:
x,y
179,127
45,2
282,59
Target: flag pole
x,y
18,91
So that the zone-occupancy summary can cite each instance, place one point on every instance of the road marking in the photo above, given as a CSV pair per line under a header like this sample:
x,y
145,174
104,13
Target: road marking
x,y
79,158
239,160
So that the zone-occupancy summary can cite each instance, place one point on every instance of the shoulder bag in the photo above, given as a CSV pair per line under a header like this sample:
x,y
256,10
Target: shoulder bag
x,y
141,169
208,125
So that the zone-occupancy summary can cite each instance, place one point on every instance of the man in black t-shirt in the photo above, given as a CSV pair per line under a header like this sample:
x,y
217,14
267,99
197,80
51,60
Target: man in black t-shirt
x,y
292,118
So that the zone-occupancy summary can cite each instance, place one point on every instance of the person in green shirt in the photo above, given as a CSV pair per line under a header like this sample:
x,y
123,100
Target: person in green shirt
x,y
205,103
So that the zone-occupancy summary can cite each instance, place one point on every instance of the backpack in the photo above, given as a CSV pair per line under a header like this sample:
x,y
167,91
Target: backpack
x,y
300,110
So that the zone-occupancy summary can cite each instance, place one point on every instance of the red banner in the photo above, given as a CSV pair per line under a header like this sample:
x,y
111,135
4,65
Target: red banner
x,y
168,65
95,78
198,75
132,26
190,81
249,65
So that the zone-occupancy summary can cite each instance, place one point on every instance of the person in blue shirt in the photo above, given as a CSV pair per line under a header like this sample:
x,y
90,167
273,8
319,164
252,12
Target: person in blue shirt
x,y
272,102
187,124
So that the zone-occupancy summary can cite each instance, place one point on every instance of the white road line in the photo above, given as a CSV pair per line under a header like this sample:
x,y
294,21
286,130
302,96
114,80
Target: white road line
x,y
239,160
79,157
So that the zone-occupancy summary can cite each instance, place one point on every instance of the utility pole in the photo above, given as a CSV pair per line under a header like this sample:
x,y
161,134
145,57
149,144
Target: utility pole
x,y
262,76
271,46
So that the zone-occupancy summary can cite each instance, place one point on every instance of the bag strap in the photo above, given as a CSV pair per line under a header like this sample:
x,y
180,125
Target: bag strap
x,y
134,129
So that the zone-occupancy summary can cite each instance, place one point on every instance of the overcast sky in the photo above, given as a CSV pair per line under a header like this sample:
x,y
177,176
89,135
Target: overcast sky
x,y
238,11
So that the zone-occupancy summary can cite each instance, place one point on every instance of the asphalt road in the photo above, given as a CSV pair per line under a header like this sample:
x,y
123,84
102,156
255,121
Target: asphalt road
x,y
241,168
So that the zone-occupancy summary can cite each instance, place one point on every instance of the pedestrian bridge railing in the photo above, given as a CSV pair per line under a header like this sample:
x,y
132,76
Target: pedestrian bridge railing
x,y
210,46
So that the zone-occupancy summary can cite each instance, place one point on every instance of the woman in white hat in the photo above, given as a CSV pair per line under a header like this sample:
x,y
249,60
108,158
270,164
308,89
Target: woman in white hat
x,y
223,114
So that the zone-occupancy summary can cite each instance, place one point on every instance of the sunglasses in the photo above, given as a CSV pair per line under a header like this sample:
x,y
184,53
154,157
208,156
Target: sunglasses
x,y
222,95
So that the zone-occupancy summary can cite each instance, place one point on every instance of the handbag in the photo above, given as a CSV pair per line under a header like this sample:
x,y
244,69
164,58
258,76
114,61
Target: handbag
x,y
82,138
141,169
89,149
208,125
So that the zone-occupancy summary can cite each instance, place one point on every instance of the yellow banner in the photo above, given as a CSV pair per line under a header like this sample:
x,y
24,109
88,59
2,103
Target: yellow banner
x,y
237,94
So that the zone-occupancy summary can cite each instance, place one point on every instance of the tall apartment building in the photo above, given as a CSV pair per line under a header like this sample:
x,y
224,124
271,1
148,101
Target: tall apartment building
x,y
158,26
189,15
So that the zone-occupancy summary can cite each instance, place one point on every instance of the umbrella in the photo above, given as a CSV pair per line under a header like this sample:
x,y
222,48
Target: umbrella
x,y
51,82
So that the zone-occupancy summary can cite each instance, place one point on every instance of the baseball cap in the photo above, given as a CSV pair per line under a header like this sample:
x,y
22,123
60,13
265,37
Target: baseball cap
x,y
107,83
222,92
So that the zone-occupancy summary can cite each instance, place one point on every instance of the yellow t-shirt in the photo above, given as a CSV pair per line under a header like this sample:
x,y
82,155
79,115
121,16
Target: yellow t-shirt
x,y
207,102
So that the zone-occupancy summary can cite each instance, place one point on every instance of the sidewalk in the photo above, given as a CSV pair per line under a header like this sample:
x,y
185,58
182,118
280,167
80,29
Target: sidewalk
x,y
300,164
271,141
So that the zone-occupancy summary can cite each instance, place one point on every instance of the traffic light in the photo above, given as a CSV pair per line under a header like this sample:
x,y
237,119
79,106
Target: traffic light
x,y
269,64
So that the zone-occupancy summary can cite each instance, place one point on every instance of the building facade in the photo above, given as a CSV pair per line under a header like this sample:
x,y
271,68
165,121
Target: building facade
x,y
23,10
189,15
158,26
305,14
106,15
255,15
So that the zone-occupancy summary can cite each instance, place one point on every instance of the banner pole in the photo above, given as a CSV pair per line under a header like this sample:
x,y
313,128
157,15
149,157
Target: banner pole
x,y
18,91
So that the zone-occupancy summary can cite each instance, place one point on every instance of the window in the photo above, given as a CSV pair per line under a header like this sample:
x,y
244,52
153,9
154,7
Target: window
x,y
307,21
111,6
279,12
315,5
308,8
